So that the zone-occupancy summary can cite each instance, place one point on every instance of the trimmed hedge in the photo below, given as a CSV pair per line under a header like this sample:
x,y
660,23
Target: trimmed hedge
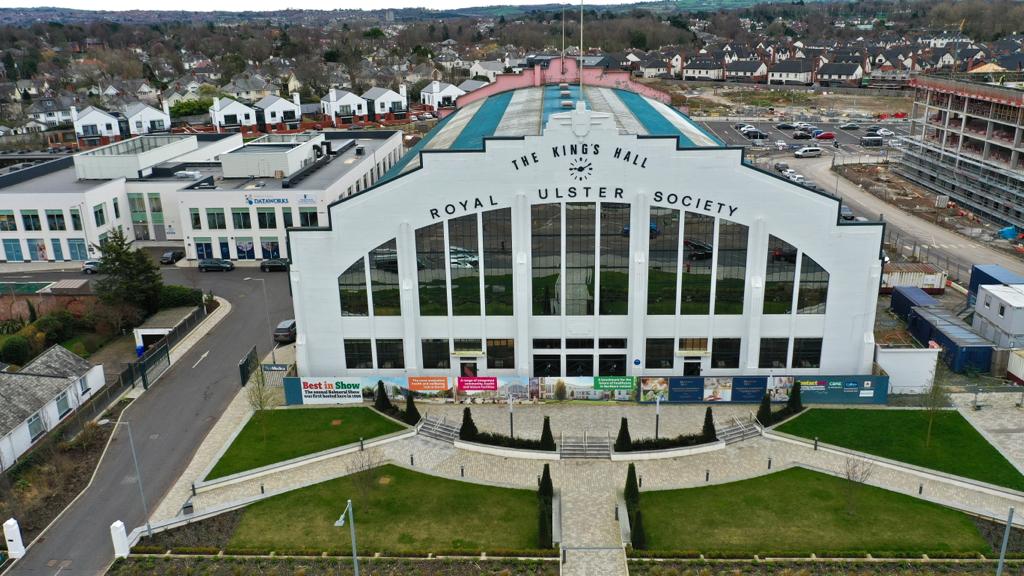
x,y
16,350
174,296
510,442
681,441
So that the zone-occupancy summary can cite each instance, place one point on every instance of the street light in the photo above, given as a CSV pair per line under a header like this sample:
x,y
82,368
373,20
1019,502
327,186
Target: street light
x,y
352,528
511,430
138,476
266,305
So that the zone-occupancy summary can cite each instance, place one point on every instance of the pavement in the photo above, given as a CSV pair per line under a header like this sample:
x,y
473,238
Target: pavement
x,y
168,422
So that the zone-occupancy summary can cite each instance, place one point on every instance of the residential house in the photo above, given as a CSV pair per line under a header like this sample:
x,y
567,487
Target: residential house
x,y
468,86
228,113
145,119
273,110
836,74
438,95
650,68
249,87
95,127
753,71
134,89
487,69
792,71
40,396
704,69
386,104
423,72
343,107
52,110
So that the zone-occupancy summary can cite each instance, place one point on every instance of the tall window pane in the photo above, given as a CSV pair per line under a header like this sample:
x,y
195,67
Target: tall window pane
x,y
813,287
660,353
464,259
384,280
725,353
773,353
358,353
732,267
614,259
430,257
778,281
352,290
390,354
497,226
501,353
546,244
436,353
806,353
579,258
698,249
664,252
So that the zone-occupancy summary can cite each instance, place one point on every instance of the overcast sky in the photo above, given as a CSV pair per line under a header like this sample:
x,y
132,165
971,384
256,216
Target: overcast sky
x,y
205,5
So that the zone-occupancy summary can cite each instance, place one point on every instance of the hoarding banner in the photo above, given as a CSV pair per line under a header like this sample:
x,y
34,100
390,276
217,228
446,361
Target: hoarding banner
x,y
478,383
749,388
428,383
685,389
614,383
331,390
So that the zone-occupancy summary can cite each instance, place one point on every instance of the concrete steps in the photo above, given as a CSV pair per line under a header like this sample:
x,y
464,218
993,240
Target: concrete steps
x,y
438,429
737,431
585,447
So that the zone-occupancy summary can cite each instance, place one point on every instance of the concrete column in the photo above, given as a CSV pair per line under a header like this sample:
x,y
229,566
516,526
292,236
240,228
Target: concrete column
x,y
120,539
521,284
408,295
758,245
12,535
639,240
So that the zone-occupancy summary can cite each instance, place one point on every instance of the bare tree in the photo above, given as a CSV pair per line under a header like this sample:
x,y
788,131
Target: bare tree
x,y
857,472
363,470
935,401
261,397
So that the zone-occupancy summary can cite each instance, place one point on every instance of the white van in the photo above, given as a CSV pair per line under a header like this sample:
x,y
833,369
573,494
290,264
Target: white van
x,y
808,152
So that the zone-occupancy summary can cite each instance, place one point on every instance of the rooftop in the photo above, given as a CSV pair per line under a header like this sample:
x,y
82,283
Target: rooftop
x,y
137,145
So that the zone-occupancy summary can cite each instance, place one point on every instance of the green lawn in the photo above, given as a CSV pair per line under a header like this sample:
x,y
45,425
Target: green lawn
x,y
396,510
294,433
798,510
955,448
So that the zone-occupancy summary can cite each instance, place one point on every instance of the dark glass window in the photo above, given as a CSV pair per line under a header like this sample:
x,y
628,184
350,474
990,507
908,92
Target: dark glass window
x,y
611,365
778,281
241,219
197,223
774,352
546,244
693,345
731,267
358,354
215,219
390,354
547,343
501,353
55,220
464,260
286,212
611,343
497,227
664,256
806,353
579,365
660,353
698,251
308,218
430,259
725,353
30,220
266,217
352,290
547,365
384,280
436,354
579,343
813,291
614,259
579,258
468,345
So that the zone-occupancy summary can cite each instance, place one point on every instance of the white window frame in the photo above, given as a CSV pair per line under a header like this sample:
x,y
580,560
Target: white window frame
x,y
63,397
33,419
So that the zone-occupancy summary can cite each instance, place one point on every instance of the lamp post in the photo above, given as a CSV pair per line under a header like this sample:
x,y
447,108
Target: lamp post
x,y
352,529
511,427
138,477
266,305
657,415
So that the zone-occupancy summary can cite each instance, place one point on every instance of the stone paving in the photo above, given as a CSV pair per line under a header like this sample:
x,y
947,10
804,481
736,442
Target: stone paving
x,y
1000,420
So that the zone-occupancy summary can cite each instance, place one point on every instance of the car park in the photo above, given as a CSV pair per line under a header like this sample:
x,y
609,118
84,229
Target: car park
x,y
90,267
274,265
171,256
808,152
285,332
825,136
216,265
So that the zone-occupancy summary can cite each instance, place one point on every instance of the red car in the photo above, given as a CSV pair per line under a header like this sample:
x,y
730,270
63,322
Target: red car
x,y
826,136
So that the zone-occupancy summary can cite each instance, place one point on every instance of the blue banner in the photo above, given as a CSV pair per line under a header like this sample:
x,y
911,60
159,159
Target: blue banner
x,y
686,389
749,388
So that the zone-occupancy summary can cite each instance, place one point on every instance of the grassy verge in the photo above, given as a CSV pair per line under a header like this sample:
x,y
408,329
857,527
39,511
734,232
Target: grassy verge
x,y
273,436
955,446
801,511
149,566
396,510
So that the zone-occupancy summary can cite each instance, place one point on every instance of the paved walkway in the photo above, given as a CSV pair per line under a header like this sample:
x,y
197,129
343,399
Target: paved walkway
x,y
590,532
1000,420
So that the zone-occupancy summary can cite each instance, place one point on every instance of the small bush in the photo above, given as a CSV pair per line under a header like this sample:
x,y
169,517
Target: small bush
x,y
196,550
246,552
547,440
412,415
58,327
92,342
381,401
79,349
637,534
16,350
174,296
708,431
631,493
141,549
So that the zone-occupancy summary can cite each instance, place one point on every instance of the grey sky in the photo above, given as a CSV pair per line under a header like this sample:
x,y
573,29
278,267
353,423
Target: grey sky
x,y
269,5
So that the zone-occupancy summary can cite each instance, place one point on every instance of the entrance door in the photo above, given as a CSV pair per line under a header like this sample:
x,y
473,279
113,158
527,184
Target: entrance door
x,y
225,249
691,366
204,250
468,368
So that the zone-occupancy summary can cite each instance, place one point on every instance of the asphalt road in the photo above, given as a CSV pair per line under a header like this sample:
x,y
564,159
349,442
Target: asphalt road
x,y
168,423
849,140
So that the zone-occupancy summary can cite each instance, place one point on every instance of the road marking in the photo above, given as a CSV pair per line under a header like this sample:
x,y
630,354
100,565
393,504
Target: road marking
x,y
201,358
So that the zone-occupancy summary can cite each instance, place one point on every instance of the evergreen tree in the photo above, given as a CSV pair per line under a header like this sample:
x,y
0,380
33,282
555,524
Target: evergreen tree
x,y
794,404
130,277
764,411
546,490
637,534
412,415
708,431
631,493
623,442
545,497
468,431
547,439
380,400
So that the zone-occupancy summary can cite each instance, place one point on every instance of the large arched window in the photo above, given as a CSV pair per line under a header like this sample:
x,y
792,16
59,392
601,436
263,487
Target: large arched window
x,y
464,262
614,259
546,244
430,262
384,283
731,267
497,228
779,277
813,291
580,218
662,262
698,251
352,290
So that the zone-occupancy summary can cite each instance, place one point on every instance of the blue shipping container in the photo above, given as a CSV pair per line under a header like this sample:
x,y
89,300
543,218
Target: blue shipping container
x,y
962,348
988,274
906,297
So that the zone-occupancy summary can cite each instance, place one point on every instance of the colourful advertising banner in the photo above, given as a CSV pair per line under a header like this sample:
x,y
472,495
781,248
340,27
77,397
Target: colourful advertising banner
x,y
653,388
331,390
685,389
428,383
614,383
749,388
477,383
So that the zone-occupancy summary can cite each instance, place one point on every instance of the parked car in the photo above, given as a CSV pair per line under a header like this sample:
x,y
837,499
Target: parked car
x,y
90,267
740,125
816,132
869,141
810,184
274,265
748,128
285,332
849,126
755,135
781,166
172,256
846,213
801,135
826,136
216,265
808,152
798,178
654,231
886,132
697,250
785,126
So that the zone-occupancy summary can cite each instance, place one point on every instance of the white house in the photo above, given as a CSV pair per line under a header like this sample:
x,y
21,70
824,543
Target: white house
x,y
487,68
704,69
38,398
792,71
143,118
835,74
440,94
381,101
226,112
277,110
747,71
343,105
93,123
